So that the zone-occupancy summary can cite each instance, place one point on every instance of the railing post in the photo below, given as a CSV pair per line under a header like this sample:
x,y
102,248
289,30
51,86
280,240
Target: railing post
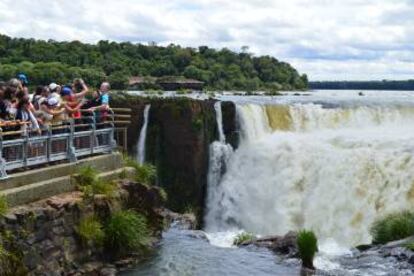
x,y
25,145
3,173
49,143
112,142
71,148
93,139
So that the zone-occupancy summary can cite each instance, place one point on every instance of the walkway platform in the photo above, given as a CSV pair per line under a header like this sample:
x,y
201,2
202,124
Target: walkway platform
x,y
36,184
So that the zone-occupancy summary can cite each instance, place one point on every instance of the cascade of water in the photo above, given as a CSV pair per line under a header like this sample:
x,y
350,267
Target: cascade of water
x,y
331,170
219,120
220,154
143,136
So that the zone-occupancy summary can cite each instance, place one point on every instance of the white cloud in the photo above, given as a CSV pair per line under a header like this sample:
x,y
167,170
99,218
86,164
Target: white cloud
x,y
328,39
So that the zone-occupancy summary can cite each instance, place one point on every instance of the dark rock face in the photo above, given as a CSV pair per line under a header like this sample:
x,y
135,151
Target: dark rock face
x,y
284,245
179,133
230,127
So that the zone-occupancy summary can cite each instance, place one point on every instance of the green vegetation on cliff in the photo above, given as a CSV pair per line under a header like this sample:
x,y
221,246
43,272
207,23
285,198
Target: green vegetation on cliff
x,y
393,227
89,183
127,231
90,230
4,207
47,61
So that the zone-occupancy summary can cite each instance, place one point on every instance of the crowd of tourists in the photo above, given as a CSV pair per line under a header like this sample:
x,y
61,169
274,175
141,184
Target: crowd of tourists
x,y
48,105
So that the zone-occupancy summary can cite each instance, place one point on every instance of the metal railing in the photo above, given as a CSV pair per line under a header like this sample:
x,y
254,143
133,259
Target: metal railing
x,y
67,140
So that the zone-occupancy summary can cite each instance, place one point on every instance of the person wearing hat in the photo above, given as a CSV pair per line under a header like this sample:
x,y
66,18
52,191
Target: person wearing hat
x,y
24,82
50,111
55,90
71,103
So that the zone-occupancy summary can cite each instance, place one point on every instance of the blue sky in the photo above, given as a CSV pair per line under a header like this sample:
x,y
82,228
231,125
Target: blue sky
x,y
327,39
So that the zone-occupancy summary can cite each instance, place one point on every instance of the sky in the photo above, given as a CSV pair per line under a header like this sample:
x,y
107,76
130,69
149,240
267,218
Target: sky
x,y
326,39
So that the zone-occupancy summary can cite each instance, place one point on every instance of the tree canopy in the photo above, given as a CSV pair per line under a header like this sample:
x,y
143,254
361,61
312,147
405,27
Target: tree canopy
x,y
53,61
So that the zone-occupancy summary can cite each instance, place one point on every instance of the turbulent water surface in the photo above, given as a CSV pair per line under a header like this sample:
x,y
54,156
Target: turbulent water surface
x,y
331,161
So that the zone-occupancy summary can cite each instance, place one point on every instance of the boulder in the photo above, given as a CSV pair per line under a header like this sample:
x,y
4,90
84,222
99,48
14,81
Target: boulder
x,y
282,245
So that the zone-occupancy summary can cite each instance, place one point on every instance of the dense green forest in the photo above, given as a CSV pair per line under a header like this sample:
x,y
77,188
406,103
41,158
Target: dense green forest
x,y
365,85
47,61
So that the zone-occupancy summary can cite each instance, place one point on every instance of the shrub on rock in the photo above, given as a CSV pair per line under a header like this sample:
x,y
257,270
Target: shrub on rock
x,y
127,231
242,238
393,227
308,246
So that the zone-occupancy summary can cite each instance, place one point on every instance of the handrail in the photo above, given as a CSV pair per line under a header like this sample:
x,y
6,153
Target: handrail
x,y
67,140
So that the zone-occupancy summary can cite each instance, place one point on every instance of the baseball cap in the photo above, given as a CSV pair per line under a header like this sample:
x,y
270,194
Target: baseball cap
x,y
53,86
66,91
23,78
52,101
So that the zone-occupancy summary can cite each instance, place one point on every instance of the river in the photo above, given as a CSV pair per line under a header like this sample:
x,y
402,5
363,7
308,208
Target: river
x,y
330,161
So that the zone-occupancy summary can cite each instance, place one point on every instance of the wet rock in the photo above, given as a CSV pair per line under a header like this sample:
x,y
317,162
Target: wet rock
x,y
364,247
284,245
399,243
180,221
197,234
400,253
108,271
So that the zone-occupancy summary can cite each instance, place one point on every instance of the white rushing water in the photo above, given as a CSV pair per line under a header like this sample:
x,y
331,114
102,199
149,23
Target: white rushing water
x,y
301,165
220,153
143,136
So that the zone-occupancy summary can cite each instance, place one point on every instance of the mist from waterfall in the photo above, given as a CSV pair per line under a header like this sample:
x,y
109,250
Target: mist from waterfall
x,y
143,136
333,170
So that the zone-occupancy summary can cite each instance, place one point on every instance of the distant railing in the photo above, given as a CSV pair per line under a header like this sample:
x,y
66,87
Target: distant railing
x,y
122,121
67,140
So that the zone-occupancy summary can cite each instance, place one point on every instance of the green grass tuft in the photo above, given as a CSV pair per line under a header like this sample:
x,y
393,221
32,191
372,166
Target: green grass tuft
x,y
4,207
86,175
410,246
127,231
393,227
144,174
91,232
308,246
163,194
243,237
90,184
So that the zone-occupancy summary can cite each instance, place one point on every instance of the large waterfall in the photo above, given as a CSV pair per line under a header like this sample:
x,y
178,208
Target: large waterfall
x,y
330,169
143,136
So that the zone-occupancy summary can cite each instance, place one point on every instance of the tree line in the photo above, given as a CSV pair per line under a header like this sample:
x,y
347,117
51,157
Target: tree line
x,y
364,85
54,61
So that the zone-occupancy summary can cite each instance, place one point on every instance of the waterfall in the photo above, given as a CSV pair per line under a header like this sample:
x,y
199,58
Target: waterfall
x,y
333,170
219,156
143,136
219,120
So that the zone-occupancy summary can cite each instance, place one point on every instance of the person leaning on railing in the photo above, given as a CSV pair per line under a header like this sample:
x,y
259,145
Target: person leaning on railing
x,y
25,115
99,105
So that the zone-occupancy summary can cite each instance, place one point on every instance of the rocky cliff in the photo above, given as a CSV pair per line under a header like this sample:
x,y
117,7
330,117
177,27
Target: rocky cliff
x,y
43,238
